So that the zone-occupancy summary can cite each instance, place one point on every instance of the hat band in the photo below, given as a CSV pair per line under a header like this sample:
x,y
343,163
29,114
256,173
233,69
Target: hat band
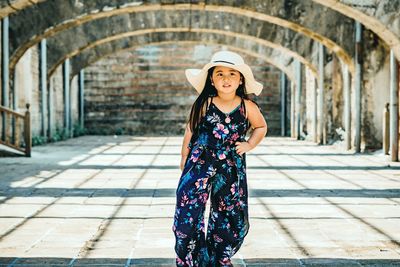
x,y
224,62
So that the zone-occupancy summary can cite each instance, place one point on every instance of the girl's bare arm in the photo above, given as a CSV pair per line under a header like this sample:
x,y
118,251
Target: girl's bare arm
x,y
258,124
186,139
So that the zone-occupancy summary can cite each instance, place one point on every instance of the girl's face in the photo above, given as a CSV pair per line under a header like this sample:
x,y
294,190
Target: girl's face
x,y
226,80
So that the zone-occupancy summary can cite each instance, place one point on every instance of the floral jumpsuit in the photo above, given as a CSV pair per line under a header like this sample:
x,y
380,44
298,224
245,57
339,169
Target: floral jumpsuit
x,y
213,168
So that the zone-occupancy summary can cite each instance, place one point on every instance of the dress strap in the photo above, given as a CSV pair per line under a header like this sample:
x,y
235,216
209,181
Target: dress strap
x,y
244,108
208,105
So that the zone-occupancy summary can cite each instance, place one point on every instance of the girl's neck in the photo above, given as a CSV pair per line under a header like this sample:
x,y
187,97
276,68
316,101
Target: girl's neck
x,y
226,97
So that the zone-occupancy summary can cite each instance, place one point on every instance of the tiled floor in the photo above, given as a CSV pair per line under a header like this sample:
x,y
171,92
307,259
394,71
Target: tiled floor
x,y
105,201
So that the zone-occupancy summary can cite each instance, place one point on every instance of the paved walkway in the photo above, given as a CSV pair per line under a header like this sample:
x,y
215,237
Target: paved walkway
x,y
108,201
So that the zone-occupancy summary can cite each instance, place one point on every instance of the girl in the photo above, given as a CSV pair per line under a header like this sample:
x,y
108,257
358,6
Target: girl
x,y
213,162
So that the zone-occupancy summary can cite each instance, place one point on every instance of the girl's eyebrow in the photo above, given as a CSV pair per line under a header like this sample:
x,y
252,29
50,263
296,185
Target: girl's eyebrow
x,y
226,71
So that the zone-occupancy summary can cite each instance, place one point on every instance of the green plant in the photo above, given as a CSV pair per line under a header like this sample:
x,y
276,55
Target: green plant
x,y
38,140
60,134
78,130
119,131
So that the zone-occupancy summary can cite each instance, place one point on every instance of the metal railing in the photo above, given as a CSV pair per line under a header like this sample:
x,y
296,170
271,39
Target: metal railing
x,y
16,130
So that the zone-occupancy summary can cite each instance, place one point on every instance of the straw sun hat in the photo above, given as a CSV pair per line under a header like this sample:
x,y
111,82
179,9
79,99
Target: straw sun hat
x,y
197,77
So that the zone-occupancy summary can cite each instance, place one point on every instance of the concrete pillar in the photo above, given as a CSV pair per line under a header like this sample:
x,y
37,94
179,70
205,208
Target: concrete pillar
x,y
50,110
394,108
298,99
315,111
67,97
283,103
358,86
43,85
5,90
292,111
81,90
321,95
347,104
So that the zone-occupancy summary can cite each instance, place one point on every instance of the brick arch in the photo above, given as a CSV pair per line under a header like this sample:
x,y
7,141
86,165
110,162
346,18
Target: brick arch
x,y
125,44
289,15
8,7
60,47
381,17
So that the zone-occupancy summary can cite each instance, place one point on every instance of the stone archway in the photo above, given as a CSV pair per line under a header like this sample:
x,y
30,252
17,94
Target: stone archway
x,y
379,16
292,18
117,27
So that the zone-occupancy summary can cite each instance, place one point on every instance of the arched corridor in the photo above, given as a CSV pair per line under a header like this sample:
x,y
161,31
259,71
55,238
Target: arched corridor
x,y
94,94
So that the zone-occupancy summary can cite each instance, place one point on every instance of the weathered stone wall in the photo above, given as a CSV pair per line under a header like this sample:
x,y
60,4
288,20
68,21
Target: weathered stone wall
x,y
27,87
376,88
27,91
58,99
144,91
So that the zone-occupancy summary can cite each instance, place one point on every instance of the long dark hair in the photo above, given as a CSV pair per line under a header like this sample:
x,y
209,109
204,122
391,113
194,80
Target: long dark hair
x,y
196,113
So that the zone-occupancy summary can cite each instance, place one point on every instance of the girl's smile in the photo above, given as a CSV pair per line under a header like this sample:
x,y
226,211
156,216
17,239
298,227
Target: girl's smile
x,y
225,78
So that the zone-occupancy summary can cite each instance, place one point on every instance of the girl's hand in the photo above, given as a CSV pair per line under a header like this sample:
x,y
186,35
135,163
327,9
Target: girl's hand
x,y
242,147
183,160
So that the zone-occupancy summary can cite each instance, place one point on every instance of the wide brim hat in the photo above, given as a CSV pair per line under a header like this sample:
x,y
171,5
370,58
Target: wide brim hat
x,y
198,77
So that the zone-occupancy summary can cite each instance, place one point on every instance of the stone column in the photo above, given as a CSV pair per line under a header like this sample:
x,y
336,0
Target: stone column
x,y
43,85
283,103
298,99
358,86
347,105
5,92
81,99
394,108
321,95
67,97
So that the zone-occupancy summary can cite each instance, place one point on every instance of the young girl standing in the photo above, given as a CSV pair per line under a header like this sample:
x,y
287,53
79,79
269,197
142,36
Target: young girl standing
x,y
214,163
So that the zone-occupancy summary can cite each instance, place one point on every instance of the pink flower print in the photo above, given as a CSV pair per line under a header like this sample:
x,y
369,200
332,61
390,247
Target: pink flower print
x,y
225,262
230,162
203,197
217,238
234,136
194,157
193,201
180,234
180,262
233,188
227,120
220,131
189,259
241,192
233,126
222,155
201,183
184,200
221,205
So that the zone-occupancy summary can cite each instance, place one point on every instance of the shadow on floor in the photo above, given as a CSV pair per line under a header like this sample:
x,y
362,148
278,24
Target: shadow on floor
x,y
10,262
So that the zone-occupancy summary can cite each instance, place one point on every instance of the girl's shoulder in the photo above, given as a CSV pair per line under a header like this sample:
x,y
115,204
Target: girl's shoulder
x,y
251,103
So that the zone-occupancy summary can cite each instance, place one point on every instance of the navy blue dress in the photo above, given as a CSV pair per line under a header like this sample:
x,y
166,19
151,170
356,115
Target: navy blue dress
x,y
213,168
